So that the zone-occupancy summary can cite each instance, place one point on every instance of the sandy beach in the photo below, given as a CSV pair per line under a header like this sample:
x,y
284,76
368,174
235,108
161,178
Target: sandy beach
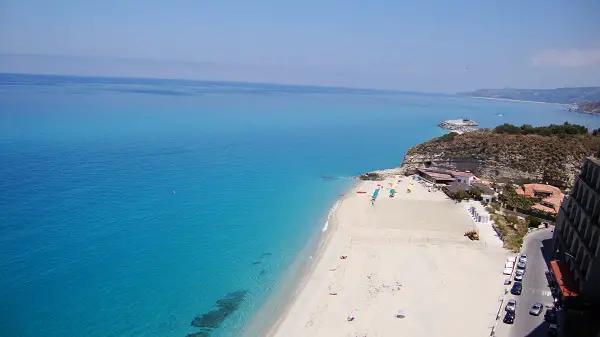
x,y
404,255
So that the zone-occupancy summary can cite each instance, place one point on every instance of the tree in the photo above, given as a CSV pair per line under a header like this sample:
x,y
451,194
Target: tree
x,y
476,192
513,219
533,221
511,197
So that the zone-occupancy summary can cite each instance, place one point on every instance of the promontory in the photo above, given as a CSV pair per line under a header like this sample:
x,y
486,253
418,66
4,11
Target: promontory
x,y
519,154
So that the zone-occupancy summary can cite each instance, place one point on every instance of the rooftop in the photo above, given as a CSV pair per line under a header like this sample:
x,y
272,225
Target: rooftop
x,y
455,186
532,189
543,208
485,188
448,173
555,200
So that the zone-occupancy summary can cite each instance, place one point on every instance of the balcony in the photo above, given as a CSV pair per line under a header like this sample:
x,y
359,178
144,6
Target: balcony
x,y
582,208
577,236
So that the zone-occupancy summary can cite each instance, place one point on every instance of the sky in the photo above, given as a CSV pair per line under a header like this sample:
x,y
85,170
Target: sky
x,y
427,45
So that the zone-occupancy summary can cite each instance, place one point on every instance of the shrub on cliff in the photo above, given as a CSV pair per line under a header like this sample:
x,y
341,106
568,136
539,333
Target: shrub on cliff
x,y
552,129
446,138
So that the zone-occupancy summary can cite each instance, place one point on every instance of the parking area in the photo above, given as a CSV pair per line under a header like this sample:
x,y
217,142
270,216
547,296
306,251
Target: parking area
x,y
528,290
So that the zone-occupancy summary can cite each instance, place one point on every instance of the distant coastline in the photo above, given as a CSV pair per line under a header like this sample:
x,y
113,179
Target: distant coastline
x,y
518,100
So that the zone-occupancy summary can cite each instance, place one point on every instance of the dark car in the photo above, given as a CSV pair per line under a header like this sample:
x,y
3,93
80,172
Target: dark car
x,y
516,288
509,318
550,316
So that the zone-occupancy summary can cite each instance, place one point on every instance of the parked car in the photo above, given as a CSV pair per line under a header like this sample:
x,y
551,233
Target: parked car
x,y
524,255
521,265
552,330
509,318
516,288
550,316
519,275
523,259
511,305
536,309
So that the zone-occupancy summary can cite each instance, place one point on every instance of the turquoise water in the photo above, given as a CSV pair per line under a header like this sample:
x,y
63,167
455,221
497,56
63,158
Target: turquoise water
x,y
130,207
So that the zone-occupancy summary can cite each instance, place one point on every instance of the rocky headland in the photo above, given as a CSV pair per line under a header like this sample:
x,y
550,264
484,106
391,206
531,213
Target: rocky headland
x,y
552,154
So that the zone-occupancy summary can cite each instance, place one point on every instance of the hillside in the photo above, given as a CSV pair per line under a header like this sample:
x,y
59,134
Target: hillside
x,y
521,155
559,95
590,107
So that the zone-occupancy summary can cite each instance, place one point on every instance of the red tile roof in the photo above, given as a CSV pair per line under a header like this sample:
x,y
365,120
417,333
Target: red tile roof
x,y
564,278
532,189
543,208
555,200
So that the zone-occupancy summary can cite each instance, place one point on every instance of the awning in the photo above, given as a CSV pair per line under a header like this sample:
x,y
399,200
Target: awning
x,y
564,278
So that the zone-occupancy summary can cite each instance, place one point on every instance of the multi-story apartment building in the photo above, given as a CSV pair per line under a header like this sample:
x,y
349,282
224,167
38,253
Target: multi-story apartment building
x,y
576,242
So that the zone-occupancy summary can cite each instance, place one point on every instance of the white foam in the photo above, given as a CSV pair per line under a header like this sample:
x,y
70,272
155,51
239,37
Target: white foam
x,y
331,211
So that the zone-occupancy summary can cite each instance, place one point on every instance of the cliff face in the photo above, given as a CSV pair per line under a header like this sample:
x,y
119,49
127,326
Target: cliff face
x,y
505,158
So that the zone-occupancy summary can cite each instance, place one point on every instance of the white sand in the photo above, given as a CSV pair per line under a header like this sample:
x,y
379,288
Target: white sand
x,y
405,253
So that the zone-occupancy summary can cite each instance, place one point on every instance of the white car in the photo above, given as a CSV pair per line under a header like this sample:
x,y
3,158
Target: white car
x,y
519,275
536,309
521,265
511,305
523,259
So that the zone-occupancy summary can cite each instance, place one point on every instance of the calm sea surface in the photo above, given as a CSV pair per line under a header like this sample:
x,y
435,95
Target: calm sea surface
x,y
130,207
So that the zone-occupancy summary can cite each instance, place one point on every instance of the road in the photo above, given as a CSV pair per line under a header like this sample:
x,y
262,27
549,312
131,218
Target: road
x,y
535,289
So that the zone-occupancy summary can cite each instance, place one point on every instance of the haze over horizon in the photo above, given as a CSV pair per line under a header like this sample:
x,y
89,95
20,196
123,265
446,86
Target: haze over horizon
x,y
397,45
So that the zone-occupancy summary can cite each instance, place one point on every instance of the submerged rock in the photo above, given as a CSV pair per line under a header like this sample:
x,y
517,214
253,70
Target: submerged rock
x,y
266,254
223,308
203,333
256,262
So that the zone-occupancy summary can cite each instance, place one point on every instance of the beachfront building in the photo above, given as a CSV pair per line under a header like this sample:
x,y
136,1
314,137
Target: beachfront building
x,y
436,176
576,264
549,197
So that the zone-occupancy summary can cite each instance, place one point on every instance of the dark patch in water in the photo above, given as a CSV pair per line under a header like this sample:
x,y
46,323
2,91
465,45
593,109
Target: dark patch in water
x,y
204,333
263,272
266,254
223,308
329,177
256,262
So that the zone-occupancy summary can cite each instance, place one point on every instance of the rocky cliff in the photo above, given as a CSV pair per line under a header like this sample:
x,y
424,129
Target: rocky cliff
x,y
502,157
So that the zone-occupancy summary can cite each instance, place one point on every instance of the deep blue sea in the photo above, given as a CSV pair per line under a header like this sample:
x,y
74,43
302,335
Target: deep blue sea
x,y
129,207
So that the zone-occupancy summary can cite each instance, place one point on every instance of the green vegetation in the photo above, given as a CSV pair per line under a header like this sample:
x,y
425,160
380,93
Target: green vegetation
x,y
520,155
534,222
458,195
476,192
551,130
512,230
510,196
445,138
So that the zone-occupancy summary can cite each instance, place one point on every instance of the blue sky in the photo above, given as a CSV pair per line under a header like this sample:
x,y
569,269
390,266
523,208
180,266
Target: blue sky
x,y
406,45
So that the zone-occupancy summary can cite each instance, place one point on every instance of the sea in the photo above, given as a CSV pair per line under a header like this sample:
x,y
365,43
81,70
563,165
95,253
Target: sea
x,y
149,207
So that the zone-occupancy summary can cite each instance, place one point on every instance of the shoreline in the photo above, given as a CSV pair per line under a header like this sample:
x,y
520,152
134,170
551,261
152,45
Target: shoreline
x,y
381,241
295,279
517,100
